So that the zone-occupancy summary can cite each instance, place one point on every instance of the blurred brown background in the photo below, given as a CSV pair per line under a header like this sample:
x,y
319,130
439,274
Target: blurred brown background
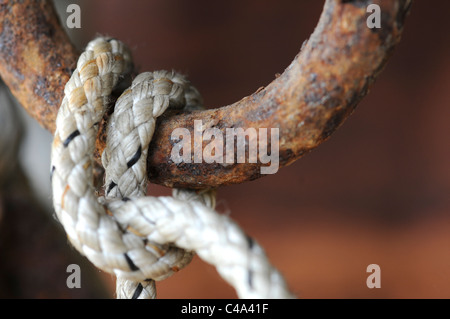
x,y
376,192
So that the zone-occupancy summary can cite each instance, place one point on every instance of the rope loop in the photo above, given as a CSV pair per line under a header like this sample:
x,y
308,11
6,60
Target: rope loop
x,y
140,238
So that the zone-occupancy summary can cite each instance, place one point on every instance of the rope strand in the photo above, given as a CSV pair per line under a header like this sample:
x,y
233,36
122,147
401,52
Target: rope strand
x,y
140,238
129,133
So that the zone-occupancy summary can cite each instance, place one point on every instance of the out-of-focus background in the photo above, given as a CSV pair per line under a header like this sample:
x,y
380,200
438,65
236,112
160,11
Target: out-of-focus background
x,y
377,192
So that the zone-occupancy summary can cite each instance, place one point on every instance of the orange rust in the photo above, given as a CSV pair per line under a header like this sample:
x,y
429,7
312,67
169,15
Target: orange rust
x,y
56,140
259,89
320,89
63,196
158,250
87,165
44,46
78,97
134,231
127,91
90,67
108,212
162,80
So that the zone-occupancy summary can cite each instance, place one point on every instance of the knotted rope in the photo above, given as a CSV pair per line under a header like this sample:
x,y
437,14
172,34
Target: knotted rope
x,y
140,239
129,133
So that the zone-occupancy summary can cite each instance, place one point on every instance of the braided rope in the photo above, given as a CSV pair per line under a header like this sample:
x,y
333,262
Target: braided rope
x,y
129,133
121,234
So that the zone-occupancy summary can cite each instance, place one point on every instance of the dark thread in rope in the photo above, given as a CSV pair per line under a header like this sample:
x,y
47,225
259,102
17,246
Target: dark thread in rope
x,y
110,187
138,291
71,137
135,157
131,264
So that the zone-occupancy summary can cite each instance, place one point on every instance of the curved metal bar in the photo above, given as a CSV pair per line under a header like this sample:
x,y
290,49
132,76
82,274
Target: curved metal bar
x,y
307,103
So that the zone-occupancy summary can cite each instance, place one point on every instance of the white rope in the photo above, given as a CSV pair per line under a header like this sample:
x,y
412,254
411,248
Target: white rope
x,y
140,238
130,130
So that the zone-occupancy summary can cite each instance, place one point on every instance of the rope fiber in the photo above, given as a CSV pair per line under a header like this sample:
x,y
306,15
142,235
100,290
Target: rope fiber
x,y
140,239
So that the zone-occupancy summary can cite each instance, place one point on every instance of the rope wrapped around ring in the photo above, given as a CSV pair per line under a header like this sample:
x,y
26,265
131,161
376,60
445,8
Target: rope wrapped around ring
x,y
130,130
140,238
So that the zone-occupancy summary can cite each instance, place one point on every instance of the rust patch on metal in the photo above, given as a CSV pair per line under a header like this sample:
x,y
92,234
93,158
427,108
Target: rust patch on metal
x,y
322,86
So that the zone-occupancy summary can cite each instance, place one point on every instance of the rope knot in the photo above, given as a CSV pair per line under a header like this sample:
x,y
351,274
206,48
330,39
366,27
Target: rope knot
x,y
140,238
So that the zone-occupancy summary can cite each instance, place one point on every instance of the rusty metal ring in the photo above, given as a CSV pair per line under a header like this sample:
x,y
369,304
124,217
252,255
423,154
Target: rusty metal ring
x,y
308,102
